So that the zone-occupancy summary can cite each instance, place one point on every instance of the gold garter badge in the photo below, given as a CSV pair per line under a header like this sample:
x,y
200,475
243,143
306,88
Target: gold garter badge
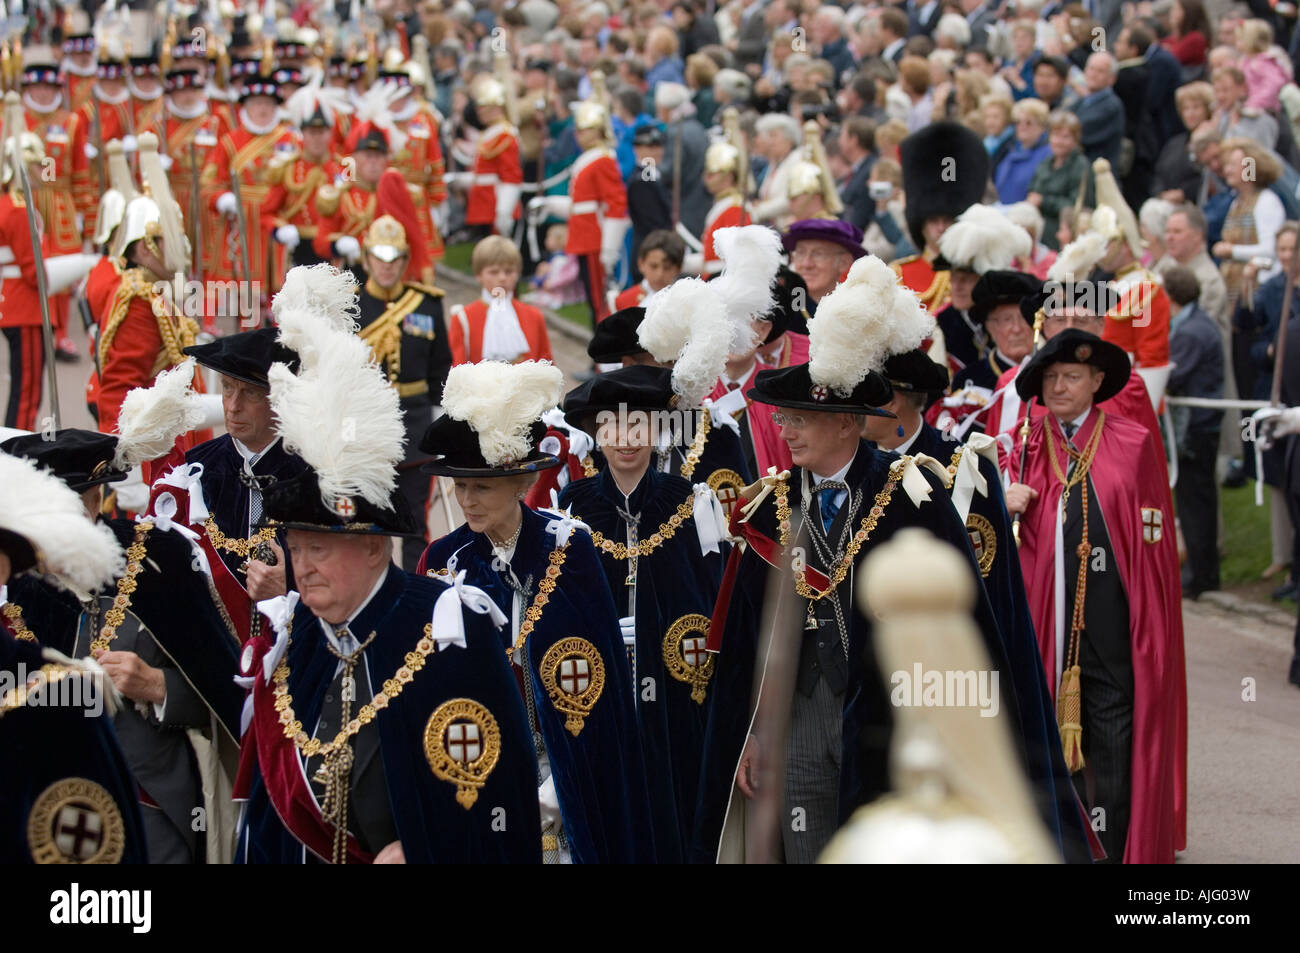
x,y
574,676
76,821
727,484
463,744
685,656
983,540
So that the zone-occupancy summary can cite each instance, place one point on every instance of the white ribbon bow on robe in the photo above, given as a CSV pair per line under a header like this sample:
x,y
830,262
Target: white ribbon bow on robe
x,y
969,480
580,442
448,620
279,610
710,520
563,527
769,482
914,483
720,417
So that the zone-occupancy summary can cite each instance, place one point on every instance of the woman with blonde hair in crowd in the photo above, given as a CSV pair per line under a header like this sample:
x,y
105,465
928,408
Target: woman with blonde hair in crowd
x,y
1178,178
1031,148
1255,216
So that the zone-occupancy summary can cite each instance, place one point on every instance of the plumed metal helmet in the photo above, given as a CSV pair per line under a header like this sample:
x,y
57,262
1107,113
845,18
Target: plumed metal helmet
x,y
386,239
31,148
722,157
112,209
25,144
489,92
589,115
142,221
804,179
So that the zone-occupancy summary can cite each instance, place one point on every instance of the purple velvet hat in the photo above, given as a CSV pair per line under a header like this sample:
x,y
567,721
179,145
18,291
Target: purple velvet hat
x,y
845,234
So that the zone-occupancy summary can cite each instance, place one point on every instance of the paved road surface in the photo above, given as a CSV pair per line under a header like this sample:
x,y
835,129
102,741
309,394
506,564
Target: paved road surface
x,y
1244,756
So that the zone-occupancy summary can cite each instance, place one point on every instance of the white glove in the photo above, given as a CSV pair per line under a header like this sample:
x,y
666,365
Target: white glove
x,y
612,233
458,180
90,150
507,201
348,247
166,162
549,205
549,802
227,203
287,235
129,144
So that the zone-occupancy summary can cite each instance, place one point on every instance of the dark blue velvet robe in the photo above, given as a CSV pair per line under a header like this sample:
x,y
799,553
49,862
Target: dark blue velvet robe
x,y
50,613
722,451
41,745
431,825
224,491
179,607
868,716
1041,740
599,775
674,581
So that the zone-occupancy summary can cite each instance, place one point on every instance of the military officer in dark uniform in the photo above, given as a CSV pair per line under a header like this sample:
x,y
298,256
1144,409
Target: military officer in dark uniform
x,y
403,323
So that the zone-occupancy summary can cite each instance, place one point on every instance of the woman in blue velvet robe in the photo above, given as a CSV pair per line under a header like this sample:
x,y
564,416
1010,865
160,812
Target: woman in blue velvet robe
x,y
664,597
564,641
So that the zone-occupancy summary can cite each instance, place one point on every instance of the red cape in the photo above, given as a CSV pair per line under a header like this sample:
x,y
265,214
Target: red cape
x,y
1128,476
1132,403
769,449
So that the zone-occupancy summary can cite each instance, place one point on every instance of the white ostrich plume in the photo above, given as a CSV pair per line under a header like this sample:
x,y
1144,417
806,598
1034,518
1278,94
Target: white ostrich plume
x,y
751,258
153,417
689,323
865,319
322,290
1077,259
502,402
984,239
77,554
340,414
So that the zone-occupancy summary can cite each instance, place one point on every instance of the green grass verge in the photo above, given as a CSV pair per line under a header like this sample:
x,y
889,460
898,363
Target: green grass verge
x,y
1246,536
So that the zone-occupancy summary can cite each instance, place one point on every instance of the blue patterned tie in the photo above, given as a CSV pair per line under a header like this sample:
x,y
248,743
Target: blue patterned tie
x,y
828,506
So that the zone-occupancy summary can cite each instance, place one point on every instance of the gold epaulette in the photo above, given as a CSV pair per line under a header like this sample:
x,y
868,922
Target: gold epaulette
x,y
279,165
328,197
134,284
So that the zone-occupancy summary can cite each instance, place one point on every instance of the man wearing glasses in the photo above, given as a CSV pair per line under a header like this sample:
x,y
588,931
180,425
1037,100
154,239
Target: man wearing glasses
x,y
806,530
821,251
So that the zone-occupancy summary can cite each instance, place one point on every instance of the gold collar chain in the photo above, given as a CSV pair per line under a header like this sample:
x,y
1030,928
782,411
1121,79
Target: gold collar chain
x,y
861,536
534,612
697,445
648,545
240,547
126,586
1082,458
14,613
311,747
589,467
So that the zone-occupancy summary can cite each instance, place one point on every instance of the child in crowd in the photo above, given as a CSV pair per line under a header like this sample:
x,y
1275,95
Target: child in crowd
x,y
497,327
659,259
556,280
